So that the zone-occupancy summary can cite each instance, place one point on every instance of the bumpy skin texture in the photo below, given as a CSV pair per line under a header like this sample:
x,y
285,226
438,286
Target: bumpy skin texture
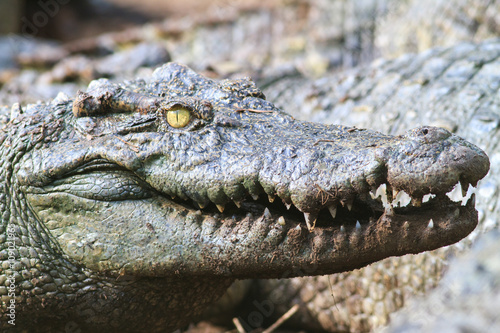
x,y
467,299
421,25
100,196
456,88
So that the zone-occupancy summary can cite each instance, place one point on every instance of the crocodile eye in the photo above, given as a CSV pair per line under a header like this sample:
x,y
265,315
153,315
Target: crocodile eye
x,y
178,117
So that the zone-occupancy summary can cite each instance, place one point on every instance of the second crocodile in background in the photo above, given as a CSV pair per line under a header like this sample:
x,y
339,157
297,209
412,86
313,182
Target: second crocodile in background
x,y
149,198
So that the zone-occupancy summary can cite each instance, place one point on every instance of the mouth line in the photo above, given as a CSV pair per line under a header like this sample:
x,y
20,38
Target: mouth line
x,y
366,209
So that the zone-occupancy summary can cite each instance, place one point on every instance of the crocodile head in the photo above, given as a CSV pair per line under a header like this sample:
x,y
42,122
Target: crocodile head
x,y
187,175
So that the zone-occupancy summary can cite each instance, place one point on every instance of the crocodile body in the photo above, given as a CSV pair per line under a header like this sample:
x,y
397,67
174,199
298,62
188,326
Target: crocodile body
x,y
467,298
111,200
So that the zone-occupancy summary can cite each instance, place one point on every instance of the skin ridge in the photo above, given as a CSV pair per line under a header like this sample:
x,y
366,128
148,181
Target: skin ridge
x,y
97,198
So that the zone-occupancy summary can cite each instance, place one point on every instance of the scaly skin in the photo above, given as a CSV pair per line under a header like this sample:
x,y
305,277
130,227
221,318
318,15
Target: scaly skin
x,y
101,195
467,299
457,88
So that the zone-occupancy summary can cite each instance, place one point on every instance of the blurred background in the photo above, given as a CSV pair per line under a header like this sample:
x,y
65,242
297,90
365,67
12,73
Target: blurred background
x,y
53,46
71,19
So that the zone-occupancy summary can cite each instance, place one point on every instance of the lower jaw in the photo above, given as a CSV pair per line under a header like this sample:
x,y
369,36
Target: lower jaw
x,y
280,245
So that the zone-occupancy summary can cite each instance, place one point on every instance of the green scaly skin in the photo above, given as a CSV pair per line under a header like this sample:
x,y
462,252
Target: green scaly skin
x,y
113,215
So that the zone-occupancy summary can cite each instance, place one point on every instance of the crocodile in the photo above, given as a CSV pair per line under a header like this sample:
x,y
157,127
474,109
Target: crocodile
x,y
132,206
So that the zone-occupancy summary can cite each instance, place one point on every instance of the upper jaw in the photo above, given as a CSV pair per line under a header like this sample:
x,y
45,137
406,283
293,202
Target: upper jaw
x,y
435,164
348,204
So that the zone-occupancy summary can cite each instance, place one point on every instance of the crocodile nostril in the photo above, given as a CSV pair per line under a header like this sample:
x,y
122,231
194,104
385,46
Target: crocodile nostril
x,y
428,134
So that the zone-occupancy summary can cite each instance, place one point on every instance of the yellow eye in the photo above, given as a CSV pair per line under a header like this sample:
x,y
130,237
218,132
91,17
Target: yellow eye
x,y
178,117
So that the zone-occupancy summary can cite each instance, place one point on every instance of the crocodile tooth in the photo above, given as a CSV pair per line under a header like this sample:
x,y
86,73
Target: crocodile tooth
x,y
416,202
431,224
220,208
287,205
428,197
455,194
347,203
267,213
358,225
255,197
281,220
465,187
238,204
333,210
381,191
402,199
199,204
310,220
271,198
342,228
249,215
406,225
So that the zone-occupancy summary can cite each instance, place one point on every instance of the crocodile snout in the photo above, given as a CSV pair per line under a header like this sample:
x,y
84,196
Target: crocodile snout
x,y
433,160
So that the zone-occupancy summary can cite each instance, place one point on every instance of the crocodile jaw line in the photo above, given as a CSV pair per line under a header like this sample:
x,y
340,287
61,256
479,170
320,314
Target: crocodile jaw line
x,y
279,239
277,242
